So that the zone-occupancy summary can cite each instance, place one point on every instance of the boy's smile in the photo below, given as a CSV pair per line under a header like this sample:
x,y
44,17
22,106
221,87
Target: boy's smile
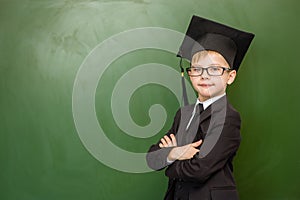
x,y
203,85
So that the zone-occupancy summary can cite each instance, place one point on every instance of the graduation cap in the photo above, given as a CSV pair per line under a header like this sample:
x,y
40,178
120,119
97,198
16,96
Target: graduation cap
x,y
203,34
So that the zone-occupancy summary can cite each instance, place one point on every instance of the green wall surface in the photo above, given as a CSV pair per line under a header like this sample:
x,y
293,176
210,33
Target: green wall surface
x,y
45,43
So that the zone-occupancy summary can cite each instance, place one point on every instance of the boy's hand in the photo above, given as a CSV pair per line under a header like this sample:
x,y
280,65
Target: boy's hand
x,y
184,152
168,142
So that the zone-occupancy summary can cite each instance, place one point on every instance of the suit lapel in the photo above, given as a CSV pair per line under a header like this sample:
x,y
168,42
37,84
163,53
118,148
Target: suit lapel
x,y
217,115
182,135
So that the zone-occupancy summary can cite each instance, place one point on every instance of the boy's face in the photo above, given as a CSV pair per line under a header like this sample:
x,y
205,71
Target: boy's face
x,y
210,86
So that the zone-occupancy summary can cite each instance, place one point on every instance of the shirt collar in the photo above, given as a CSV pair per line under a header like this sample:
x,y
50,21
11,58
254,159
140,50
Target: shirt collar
x,y
208,102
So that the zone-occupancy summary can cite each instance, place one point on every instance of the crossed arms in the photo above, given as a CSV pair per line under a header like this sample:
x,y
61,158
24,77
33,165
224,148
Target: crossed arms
x,y
185,163
179,153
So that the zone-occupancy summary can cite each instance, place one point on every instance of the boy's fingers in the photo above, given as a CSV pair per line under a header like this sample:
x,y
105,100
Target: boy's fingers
x,y
173,139
196,144
163,142
161,145
168,140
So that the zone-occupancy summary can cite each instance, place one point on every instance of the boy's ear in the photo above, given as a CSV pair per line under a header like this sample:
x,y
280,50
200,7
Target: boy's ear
x,y
232,75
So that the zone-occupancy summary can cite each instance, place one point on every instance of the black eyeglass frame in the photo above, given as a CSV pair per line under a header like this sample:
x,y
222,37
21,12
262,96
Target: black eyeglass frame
x,y
206,69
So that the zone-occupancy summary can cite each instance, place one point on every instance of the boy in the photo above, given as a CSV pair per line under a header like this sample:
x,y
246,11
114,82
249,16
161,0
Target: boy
x,y
199,148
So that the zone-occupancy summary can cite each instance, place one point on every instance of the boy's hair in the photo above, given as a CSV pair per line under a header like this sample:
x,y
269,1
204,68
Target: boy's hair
x,y
199,55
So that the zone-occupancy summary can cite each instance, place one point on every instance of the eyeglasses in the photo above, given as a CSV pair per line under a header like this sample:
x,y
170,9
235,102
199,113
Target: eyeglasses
x,y
211,71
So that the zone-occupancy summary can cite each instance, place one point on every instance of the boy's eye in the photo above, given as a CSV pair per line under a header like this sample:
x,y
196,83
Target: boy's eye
x,y
196,69
215,68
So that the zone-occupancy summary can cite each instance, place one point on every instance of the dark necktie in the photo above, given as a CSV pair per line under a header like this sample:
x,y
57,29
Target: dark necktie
x,y
200,108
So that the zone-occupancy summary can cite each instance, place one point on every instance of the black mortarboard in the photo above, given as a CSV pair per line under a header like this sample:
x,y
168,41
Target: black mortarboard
x,y
204,34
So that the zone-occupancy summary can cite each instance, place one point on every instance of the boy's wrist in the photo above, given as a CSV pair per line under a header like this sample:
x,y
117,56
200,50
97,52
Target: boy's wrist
x,y
171,157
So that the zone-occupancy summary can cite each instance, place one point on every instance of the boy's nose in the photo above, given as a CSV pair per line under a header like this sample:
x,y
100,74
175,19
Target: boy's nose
x,y
204,74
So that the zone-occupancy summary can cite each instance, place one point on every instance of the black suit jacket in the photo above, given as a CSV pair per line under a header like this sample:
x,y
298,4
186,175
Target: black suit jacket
x,y
209,174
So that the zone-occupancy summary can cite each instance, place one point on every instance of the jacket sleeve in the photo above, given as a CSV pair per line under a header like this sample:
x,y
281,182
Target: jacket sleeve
x,y
201,168
156,156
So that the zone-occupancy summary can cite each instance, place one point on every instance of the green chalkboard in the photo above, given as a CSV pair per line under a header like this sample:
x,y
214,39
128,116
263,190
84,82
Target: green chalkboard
x,y
69,71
